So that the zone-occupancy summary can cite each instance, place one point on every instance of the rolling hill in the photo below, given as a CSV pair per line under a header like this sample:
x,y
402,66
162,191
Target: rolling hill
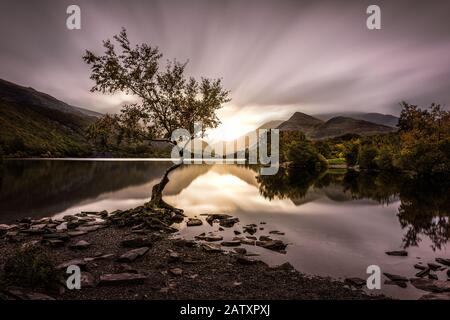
x,y
33,123
315,128
300,122
378,118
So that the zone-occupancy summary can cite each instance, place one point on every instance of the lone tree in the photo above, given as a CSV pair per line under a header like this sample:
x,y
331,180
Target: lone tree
x,y
168,100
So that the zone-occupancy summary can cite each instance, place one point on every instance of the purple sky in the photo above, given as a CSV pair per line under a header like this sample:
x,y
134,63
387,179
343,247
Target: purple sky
x,y
276,57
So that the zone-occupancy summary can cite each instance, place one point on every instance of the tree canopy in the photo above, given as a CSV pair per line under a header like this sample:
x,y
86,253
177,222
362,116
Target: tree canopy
x,y
168,99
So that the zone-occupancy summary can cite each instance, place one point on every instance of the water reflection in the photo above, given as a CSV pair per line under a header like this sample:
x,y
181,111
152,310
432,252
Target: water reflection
x,y
43,188
424,208
336,223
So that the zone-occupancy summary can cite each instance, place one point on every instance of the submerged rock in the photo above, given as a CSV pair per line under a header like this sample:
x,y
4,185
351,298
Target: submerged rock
x,y
431,285
435,267
216,217
436,296
399,253
420,266
194,222
228,222
443,261
395,277
275,245
423,273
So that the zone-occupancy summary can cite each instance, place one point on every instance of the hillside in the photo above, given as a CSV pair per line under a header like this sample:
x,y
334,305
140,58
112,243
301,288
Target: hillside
x,y
33,123
300,122
14,93
315,128
378,118
339,126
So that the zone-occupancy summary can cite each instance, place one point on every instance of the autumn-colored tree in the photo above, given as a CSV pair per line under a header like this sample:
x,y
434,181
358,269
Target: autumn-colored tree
x,y
168,100
425,139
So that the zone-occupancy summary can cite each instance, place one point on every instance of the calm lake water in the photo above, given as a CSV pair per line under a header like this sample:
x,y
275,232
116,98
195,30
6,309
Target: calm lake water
x,y
336,224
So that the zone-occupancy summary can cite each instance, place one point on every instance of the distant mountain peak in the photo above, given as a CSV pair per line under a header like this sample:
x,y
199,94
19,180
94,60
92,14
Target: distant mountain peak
x,y
315,128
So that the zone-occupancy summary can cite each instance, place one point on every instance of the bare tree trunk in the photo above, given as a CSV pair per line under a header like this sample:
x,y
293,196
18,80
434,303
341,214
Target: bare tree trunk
x,y
157,190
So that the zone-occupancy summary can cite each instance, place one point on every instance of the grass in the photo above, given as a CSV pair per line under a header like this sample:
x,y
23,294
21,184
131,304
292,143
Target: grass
x,y
336,161
29,267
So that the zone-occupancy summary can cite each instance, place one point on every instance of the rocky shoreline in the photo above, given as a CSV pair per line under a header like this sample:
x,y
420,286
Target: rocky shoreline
x,y
133,255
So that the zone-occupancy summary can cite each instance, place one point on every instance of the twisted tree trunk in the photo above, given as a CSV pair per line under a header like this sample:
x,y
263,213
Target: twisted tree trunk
x,y
157,190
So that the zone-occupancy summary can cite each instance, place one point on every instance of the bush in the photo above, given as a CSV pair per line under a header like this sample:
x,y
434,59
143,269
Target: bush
x,y
385,160
30,267
366,158
351,156
303,156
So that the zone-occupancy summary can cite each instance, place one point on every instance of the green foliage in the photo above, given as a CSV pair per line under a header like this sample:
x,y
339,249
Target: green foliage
x,y
385,160
31,267
27,130
351,155
366,158
302,155
168,99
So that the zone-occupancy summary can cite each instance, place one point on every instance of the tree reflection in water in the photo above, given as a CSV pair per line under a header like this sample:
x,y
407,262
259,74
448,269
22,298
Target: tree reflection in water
x,y
424,208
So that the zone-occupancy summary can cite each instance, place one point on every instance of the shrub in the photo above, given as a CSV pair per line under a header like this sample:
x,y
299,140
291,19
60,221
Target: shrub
x,y
366,158
303,156
30,267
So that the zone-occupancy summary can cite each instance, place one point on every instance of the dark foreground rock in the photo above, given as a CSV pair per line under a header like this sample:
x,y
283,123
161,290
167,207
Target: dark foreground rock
x,y
170,268
431,285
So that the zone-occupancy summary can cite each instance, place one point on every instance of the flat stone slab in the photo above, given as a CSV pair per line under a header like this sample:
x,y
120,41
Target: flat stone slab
x,y
82,244
211,247
231,243
356,282
117,279
194,222
398,253
132,255
436,296
76,233
395,277
443,261
431,285
77,262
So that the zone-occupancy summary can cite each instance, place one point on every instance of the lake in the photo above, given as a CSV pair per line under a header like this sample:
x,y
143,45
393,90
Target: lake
x,y
336,224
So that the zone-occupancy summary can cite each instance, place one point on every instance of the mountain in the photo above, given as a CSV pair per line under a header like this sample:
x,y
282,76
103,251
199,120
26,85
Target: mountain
x,y
271,124
33,123
13,93
339,126
300,122
378,118
315,128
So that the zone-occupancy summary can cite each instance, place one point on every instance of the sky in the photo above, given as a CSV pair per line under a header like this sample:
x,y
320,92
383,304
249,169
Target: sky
x,y
276,57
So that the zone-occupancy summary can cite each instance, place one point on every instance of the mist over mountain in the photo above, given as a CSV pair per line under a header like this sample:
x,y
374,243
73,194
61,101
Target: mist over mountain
x,y
316,128
378,118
